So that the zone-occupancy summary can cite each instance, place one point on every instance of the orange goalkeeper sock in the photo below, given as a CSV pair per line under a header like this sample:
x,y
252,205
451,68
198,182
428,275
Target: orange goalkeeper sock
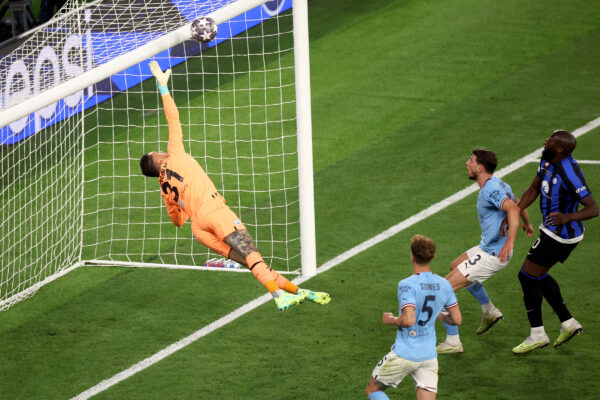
x,y
261,271
284,284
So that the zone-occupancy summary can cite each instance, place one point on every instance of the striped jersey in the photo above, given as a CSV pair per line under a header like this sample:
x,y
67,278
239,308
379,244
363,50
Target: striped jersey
x,y
428,293
562,189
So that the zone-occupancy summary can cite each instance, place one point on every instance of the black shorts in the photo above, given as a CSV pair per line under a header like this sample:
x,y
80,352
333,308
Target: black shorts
x,y
546,251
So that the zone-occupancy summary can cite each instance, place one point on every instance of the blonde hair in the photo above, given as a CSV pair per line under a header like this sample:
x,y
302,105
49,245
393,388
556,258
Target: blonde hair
x,y
422,248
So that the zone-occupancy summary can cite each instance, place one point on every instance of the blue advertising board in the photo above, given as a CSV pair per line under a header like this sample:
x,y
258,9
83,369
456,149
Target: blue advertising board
x,y
94,43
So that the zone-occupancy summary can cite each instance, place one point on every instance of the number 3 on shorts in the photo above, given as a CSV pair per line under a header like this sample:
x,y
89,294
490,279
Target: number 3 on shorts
x,y
474,261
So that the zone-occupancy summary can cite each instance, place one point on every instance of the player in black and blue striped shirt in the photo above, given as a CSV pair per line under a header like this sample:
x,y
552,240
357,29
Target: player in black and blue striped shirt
x,y
562,187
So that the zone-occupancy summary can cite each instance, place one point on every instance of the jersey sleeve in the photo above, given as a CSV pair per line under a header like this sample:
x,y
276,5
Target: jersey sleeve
x,y
573,179
177,215
452,300
495,196
175,146
406,295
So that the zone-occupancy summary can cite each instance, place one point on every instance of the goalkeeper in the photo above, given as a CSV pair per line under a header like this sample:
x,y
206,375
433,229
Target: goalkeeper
x,y
188,192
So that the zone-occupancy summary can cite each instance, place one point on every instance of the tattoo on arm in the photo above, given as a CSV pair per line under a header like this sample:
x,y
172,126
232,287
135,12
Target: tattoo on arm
x,y
241,242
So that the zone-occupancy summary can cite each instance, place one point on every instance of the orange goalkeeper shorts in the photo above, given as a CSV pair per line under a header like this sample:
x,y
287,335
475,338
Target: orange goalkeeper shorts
x,y
213,227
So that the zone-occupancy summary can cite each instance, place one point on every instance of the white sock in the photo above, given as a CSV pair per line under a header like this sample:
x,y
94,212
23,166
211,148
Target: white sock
x,y
453,340
538,332
277,293
487,308
568,323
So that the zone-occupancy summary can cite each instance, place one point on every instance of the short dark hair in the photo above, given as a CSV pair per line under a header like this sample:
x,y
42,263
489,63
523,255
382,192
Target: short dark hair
x,y
422,248
148,166
566,140
486,158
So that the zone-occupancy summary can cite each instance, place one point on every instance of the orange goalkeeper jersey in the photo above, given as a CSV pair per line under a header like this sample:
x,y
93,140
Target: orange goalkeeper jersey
x,y
186,188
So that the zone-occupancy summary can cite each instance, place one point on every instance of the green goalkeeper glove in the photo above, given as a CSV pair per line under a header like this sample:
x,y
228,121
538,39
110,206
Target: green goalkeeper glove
x,y
161,77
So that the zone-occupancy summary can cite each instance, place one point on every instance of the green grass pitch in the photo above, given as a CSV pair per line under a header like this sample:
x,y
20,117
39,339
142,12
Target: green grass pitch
x,y
402,91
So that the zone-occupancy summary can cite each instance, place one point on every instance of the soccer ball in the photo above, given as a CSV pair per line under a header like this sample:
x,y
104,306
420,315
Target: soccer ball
x,y
204,29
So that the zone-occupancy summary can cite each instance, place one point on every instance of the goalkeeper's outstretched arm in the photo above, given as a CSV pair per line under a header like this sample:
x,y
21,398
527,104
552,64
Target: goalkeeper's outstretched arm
x,y
175,134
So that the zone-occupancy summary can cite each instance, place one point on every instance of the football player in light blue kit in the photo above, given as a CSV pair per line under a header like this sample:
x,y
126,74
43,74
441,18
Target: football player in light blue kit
x,y
495,203
422,297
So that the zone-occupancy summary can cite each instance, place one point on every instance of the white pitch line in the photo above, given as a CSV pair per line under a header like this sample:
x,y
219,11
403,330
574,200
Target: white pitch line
x,y
167,351
578,161
588,161
531,157
429,211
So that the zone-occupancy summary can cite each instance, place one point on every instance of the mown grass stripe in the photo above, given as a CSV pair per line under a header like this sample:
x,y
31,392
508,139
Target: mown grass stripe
x,y
232,316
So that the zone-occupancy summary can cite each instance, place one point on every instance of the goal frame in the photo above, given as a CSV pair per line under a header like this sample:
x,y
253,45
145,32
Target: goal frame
x,y
308,266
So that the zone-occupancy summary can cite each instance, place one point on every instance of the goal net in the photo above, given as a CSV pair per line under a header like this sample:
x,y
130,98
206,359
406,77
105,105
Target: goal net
x,y
73,193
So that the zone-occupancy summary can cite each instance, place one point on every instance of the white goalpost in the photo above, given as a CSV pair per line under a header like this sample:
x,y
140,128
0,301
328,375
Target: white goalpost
x,y
79,106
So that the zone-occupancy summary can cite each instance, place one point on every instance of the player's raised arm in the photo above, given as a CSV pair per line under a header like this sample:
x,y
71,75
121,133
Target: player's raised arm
x,y
175,134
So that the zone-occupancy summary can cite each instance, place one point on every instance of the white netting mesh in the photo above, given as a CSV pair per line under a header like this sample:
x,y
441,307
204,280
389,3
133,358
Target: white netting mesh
x,y
75,190
105,28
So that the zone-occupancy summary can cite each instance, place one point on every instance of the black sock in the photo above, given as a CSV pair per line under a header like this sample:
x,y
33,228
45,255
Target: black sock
x,y
551,292
532,296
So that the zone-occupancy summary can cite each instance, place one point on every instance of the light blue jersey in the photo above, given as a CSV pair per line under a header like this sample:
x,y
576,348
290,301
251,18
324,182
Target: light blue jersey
x,y
489,209
429,294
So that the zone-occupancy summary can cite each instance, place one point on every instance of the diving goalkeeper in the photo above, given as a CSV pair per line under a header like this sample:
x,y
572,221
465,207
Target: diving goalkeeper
x,y
188,192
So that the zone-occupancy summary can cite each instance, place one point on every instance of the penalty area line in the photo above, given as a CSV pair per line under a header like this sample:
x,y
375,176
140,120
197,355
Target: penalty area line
x,y
429,211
